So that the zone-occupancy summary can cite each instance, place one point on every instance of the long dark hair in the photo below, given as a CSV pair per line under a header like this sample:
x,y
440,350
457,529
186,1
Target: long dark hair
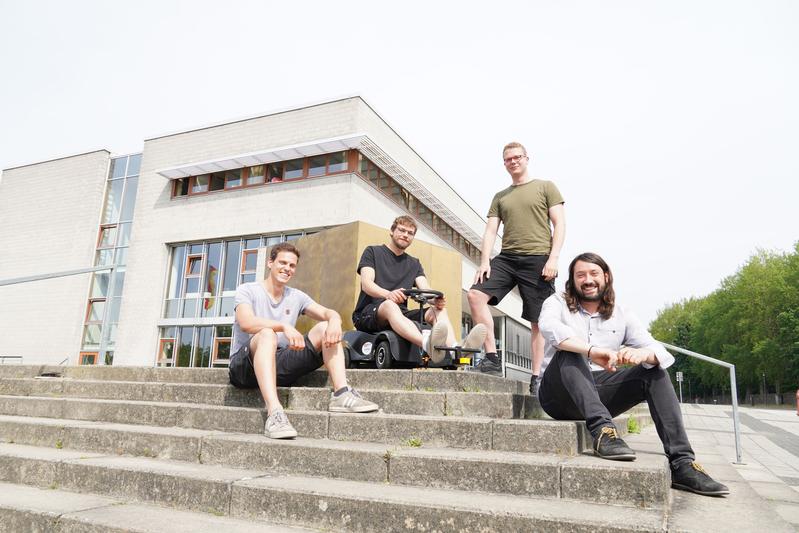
x,y
573,298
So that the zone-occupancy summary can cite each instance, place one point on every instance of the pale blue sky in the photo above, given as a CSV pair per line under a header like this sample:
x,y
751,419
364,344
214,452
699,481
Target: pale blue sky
x,y
671,128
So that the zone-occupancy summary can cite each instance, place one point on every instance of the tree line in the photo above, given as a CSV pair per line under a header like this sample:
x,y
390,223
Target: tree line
x,y
751,321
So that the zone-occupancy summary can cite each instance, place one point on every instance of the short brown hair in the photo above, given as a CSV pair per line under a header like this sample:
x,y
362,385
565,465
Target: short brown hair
x,y
404,220
283,247
513,145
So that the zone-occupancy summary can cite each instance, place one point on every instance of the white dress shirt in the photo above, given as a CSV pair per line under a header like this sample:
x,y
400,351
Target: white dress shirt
x,y
557,324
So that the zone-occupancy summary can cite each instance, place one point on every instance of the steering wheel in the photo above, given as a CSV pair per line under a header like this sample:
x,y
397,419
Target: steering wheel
x,y
422,295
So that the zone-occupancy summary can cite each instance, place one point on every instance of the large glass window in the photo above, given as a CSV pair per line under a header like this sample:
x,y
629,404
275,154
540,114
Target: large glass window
x,y
113,202
257,175
293,169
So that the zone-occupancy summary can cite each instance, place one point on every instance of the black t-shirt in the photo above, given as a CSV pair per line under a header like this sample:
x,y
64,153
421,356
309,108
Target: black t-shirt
x,y
391,272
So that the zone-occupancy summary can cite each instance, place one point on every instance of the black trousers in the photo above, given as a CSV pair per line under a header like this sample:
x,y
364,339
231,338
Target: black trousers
x,y
571,391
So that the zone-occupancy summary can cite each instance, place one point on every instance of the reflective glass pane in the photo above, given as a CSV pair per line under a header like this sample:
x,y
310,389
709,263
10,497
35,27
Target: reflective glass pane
x,y
250,261
273,240
196,248
123,234
248,278
112,336
176,272
181,187
293,169
233,178
104,257
118,167
91,336
96,311
257,175
363,164
168,332
202,351
200,184
252,244
316,165
100,285
195,265
134,162
109,357
232,254
217,181
192,285
131,184
172,308
224,331
226,309
108,237
189,308
113,201
210,300
184,347
293,236
337,162
222,353
113,310
167,350
121,257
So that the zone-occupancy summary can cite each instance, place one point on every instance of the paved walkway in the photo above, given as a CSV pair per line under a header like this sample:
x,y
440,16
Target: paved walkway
x,y
770,444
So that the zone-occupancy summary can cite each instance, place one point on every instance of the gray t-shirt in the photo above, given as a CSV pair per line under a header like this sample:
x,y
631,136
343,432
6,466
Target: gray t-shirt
x,y
287,310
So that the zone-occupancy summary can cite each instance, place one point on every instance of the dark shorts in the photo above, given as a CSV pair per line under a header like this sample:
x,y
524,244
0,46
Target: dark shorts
x,y
366,320
510,270
291,365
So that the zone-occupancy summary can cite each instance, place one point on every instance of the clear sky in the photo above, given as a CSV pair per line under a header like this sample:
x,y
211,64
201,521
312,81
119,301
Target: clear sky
x,y
671,128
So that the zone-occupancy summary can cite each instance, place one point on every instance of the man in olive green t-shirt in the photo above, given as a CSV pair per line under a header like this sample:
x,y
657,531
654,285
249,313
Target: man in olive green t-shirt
x,y
529,256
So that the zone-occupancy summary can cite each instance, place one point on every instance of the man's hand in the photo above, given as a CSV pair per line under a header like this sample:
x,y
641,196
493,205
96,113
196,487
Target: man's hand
x,y
483,270
440,303
295,338
397,296
332,333
604,357
550,271
636,356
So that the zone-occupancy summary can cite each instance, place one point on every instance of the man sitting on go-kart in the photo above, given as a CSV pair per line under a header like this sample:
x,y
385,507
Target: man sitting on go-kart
x,y
386,270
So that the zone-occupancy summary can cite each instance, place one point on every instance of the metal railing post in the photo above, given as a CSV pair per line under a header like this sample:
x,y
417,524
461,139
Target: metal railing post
x,y
733,392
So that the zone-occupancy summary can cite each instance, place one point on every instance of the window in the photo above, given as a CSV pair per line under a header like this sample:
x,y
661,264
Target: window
x,y
87,358
200,184
233,179
249,259
274,172
166,351
256,175
181,187
293,169
217,182
337,162
317,165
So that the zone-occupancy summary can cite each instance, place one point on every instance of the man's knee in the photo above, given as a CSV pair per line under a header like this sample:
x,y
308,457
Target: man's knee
x,y
316,334
477,297
387,309
264,339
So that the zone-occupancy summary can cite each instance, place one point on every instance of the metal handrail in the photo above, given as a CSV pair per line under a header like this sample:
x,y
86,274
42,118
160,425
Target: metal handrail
x,y
37,277
733,391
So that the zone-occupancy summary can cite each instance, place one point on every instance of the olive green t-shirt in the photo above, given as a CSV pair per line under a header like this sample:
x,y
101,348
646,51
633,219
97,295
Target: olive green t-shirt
x,y
524,212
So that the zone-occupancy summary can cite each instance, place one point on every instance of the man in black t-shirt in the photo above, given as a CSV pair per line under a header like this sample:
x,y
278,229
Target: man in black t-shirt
x,y
385,271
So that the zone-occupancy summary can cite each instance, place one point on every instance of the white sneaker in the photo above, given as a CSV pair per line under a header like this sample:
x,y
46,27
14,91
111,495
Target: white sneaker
x,y
438,337
476,337
278,426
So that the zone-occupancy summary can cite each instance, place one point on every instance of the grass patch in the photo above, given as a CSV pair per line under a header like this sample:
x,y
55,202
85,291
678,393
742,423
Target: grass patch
x,y
633,426
414,442
59,444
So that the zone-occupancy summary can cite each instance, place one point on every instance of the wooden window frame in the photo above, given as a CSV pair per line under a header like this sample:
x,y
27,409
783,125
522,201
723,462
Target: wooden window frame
x,y
245,253
86,320
215,351
93,355
159,355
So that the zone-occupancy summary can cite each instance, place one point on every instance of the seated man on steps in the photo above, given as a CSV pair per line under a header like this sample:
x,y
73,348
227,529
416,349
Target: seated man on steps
x,y
268,351
385,271
587,335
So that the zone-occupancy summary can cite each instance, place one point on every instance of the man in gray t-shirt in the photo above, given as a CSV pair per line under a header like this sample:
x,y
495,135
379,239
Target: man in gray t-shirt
x,y
268,351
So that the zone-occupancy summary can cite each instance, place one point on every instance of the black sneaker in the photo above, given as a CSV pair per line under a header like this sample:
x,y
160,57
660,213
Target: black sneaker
x,y
608,445
487,366
693,478
535,383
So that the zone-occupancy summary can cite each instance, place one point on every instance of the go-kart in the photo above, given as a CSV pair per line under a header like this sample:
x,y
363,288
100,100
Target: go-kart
x,y
385,349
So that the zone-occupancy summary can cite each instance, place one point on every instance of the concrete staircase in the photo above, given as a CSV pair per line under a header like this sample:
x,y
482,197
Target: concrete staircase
x,y
152,449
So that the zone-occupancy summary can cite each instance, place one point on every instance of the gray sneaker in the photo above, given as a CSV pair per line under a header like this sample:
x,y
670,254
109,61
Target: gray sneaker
x,y
350,402
438,337
476,337
278,426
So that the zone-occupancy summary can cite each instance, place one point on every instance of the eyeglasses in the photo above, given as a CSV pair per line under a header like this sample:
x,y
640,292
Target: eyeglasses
x,y
404,231
513,159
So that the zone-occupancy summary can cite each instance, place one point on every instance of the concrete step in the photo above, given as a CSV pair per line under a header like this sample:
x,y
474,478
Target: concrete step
x,y
399,379
339,505
451,403
25,508
643,483
532,436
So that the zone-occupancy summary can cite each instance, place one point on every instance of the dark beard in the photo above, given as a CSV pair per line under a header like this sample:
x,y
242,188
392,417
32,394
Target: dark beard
x,y
600,293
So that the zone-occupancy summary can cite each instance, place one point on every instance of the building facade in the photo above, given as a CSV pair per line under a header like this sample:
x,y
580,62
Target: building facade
x,y
181,224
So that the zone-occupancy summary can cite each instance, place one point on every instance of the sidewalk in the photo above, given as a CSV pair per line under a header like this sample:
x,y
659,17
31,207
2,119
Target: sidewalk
x,y
764,490
770,447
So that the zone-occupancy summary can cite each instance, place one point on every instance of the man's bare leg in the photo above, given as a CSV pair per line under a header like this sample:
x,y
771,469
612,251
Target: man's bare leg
x,y
333,356
263,346
390,313
478,304
537,342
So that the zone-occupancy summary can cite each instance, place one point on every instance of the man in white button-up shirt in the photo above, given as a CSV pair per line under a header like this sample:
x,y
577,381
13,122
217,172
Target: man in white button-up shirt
x,y
587,337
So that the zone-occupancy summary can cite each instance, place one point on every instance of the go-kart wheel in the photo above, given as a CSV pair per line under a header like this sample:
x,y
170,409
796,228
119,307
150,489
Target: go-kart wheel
x,y
383,358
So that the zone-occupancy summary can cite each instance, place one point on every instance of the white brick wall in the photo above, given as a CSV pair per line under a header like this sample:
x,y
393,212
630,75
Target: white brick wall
x,y
49,218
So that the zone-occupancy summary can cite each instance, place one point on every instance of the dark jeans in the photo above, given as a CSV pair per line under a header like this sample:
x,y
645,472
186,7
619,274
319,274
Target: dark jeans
x,y
571,391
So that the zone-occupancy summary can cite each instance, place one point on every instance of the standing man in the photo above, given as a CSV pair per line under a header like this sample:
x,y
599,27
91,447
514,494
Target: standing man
x,y
529,257
385,271
268,351
587,337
